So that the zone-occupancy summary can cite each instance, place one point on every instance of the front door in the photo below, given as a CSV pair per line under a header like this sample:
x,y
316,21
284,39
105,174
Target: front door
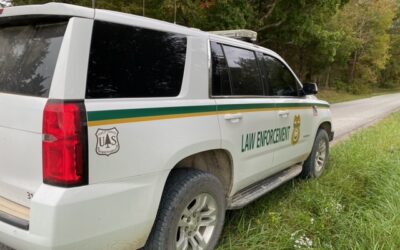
x,y
297,114
292,111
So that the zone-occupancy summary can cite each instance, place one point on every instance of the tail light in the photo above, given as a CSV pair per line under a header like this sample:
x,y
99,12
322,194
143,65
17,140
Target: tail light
x,y
65,143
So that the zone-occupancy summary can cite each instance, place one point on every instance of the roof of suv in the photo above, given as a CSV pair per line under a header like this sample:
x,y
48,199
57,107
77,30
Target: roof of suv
x,y
59,9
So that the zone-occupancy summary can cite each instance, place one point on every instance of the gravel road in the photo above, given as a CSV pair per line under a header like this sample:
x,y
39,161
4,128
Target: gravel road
x,y
351,116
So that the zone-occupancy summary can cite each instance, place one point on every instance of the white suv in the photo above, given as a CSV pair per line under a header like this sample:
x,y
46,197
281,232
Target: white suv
x,y
122,132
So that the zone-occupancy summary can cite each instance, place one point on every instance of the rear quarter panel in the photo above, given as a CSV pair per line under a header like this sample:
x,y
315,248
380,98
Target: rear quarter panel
x,y
150,142
145,145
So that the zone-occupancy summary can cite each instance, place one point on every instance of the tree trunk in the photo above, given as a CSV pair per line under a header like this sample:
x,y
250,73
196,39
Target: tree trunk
x,y
353,67
328,76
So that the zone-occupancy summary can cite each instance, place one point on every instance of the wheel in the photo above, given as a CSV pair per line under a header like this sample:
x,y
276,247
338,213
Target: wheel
x,y
191,213
315,164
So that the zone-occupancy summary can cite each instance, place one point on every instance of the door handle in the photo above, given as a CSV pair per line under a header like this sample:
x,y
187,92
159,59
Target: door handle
x,y
283,114
234,118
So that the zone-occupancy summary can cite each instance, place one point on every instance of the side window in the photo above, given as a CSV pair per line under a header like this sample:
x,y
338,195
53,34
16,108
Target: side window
x,y
127,61
280,80
220,71
244,73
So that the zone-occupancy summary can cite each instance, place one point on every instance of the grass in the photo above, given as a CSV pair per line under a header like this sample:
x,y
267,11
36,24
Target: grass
x,y
334,96
354,205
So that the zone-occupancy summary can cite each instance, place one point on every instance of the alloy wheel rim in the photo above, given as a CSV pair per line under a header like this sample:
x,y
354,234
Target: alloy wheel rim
x,y
197,223
320,156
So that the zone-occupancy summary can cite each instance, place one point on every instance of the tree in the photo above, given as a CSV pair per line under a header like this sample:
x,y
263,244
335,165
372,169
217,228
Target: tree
x,y
365,25
297,30
390,76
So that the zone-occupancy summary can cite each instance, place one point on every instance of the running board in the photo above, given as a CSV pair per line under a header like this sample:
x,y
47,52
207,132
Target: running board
x,y
255,191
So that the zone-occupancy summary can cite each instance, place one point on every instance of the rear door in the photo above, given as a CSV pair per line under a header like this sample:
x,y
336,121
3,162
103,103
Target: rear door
x,y
29,51
246,116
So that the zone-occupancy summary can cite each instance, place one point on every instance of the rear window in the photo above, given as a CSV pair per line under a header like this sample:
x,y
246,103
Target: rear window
x,y
28,56
129,62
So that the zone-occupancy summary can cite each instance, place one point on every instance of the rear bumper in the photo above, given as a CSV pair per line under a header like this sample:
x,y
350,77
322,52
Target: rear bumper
x,y
14,221
115,215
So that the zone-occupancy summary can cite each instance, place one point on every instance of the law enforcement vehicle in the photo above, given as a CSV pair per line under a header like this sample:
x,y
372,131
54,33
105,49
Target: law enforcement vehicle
x,y
123,132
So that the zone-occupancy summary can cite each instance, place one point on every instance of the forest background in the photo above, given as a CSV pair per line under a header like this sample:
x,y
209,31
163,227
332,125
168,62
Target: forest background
x,y
345,45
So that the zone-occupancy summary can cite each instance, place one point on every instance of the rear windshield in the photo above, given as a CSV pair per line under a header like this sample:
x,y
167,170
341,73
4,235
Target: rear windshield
x,y
28,56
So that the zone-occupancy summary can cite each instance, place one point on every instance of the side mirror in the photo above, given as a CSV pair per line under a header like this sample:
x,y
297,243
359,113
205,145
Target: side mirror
x,y
310,89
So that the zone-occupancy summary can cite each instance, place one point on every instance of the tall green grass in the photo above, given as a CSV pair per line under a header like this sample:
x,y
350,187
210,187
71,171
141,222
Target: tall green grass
x,y
354,205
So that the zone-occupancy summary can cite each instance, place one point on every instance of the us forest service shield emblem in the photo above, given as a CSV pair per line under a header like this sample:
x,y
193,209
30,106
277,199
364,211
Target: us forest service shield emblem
x,y
296,129
107,141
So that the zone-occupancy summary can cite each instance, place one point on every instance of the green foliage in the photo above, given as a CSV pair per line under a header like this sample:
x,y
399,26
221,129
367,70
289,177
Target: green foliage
x,y
390,76
209,15
351,44
228,14
298,30
375,37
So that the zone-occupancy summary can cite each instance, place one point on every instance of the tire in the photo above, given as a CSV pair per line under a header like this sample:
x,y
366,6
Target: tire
x,y
315,164
193,204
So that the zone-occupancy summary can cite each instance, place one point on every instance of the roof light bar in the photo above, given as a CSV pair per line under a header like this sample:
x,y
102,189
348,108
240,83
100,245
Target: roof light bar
x,y
245,35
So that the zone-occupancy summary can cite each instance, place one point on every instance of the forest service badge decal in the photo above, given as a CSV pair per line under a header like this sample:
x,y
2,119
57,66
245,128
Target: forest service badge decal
x,y
296,129
107,141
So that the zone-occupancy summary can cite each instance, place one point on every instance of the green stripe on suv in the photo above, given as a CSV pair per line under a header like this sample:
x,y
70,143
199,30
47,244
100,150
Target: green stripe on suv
x,y
108,117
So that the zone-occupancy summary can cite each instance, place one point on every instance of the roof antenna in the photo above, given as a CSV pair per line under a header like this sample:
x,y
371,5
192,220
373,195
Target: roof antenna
x,y
175,13
94,8
144,7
